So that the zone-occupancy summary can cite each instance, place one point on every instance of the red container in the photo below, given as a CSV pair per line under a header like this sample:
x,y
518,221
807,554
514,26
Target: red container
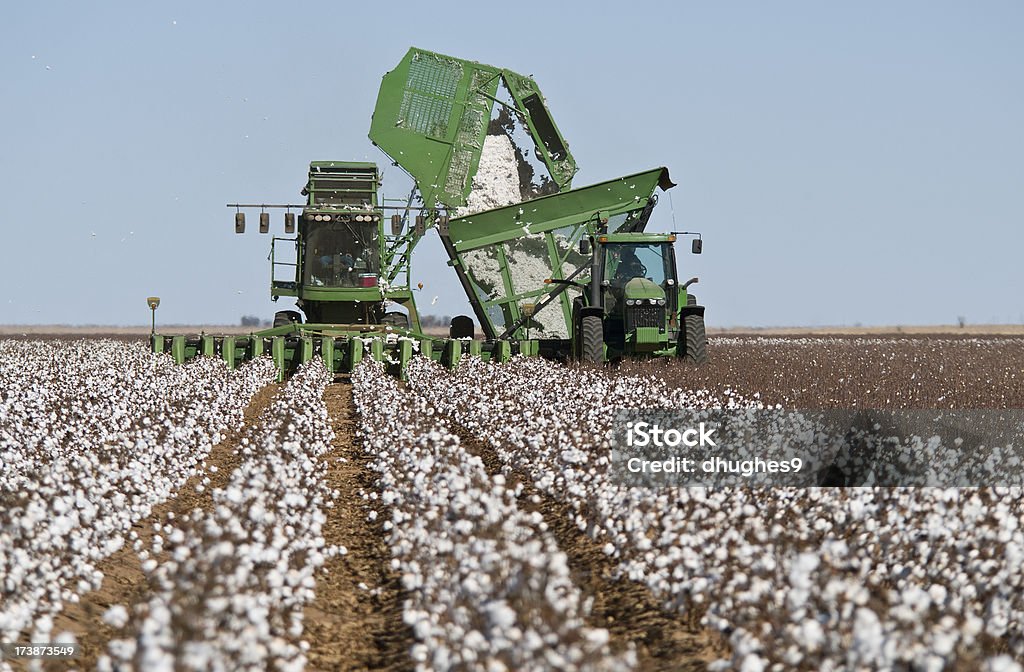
x,y
367,280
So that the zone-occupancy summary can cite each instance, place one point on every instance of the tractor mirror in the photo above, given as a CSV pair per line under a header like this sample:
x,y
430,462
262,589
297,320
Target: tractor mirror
x,y
584,246
697,246
396,225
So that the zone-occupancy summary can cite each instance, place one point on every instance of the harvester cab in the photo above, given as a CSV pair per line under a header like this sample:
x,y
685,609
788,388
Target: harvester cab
x,y
346,263
336,273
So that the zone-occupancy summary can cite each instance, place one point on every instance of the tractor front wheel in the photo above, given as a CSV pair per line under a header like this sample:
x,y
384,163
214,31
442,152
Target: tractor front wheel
x,y
693,340
591,339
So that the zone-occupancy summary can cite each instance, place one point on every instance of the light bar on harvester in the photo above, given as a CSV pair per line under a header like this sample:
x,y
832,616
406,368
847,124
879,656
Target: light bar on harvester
x,y
342,217
300,206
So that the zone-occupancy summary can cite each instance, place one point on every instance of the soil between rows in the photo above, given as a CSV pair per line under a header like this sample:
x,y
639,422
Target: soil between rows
x,y
355,621
627,609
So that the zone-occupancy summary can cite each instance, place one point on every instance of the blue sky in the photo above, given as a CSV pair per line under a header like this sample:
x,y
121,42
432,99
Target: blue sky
x,y
858,163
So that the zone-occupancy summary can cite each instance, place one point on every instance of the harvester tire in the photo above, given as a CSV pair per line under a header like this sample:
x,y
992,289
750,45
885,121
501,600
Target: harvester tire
x,y
591,339
283,318
395,319
693,340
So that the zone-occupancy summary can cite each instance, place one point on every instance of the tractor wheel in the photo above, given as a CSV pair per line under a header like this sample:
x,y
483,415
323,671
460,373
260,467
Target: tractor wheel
x,y
395,319
691,300
693,341
283,318
462,326
591,339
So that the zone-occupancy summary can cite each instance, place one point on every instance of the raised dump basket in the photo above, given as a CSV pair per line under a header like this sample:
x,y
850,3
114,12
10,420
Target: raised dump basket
x,y
434,111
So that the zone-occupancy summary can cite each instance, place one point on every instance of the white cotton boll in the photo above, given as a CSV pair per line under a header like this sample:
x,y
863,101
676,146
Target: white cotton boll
x,y
867,635
812,635
1001,663
753,663
597,637
500,614
65,637
116,616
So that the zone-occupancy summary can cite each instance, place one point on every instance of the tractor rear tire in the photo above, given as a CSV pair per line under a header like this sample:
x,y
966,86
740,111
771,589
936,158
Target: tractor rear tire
x,y
591,339
283,318
396,319
693,340
462,326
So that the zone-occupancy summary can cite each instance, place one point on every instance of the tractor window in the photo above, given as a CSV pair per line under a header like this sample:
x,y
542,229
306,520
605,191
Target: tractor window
x,y
342,254
627,261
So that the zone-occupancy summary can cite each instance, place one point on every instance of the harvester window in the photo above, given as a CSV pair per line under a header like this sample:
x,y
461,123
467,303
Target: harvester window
x,y
343,255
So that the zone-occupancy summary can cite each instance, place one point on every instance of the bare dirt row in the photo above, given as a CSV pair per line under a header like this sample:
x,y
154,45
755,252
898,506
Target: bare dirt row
x,y
355,621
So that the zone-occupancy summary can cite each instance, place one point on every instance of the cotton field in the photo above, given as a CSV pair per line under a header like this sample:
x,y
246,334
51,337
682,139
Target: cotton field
x,y
192,517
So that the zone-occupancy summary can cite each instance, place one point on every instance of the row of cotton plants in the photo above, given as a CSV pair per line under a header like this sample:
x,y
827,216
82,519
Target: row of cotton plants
x,y
229,584
487,586
813,578
94,434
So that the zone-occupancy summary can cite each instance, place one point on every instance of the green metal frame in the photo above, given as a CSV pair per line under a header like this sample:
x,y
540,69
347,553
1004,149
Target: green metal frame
x,y
340,347
433,112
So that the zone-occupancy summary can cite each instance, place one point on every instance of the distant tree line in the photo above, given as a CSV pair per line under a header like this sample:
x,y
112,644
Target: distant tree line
x,y
435,320
253,321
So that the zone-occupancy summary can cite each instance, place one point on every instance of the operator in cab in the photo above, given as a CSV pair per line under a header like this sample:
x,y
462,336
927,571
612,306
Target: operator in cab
x,y
629,267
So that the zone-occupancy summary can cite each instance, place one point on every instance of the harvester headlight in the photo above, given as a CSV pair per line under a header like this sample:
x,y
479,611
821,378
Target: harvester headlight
x,y
359,218
630,302
661,302
653,302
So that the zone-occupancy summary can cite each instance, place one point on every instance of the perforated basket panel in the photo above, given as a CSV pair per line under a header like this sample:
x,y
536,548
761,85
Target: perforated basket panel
x,y
433,112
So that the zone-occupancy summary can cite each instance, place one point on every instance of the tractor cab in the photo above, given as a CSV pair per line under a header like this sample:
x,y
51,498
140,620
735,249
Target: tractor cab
x,y
633,304
637,278
633,288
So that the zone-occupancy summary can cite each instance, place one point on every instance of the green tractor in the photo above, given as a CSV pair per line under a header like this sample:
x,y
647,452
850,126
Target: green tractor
x,y
633,304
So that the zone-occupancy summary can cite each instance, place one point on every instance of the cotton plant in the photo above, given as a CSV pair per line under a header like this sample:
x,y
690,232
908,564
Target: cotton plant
x,y
93,435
